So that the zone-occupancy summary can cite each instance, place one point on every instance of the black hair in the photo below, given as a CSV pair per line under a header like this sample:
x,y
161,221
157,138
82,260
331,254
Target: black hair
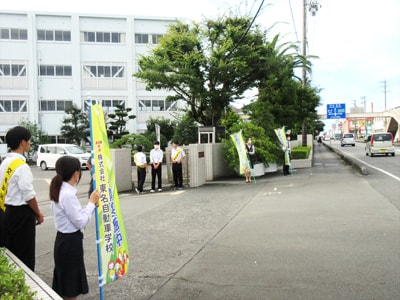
x,y
156,143
175,142
16,135
66,166
140,148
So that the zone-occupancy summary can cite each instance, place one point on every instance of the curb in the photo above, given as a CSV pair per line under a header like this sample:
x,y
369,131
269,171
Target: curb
x,y
357,165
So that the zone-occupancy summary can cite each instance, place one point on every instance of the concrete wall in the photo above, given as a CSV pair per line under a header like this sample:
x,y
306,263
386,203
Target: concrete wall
x,y
122,168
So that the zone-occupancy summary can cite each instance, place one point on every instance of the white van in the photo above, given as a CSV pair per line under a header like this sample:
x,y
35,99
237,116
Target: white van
x,y
48,154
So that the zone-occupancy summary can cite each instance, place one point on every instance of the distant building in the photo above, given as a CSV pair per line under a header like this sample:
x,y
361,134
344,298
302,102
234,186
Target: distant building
x,y
51,60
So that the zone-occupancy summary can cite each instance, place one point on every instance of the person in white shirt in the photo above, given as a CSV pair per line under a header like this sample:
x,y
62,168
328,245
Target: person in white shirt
x,y
69,279
177,155
22,212
156,158
141,163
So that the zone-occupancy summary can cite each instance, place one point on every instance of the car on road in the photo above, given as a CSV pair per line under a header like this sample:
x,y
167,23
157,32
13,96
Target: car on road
x,y
348,139
379,143
48,154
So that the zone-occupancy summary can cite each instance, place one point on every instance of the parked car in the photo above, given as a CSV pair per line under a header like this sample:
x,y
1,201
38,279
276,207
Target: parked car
x,y
379,143
347,139
48,154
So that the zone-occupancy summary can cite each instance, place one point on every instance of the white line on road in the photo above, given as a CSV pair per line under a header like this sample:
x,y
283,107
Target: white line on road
x,y
378,169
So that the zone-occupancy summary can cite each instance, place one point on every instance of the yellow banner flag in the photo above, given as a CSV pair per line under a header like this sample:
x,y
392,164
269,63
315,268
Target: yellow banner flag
x,y
237,139
113,255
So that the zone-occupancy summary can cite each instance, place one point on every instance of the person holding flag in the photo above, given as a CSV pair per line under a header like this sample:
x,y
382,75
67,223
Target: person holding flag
x,y
69,279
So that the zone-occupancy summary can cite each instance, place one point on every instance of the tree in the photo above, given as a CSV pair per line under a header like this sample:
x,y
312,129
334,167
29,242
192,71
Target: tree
x,y
75,126
186,131
38,136
206,65
117,121
167,128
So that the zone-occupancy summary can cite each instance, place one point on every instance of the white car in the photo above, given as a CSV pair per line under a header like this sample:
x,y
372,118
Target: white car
x,y
48,154
348,139
379,143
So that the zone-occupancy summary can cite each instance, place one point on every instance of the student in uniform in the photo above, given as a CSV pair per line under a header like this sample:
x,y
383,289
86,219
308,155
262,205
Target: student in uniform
x,y
69,278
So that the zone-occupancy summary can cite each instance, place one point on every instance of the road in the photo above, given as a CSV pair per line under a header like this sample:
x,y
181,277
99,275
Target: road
x,y
385,163
383,171
323,233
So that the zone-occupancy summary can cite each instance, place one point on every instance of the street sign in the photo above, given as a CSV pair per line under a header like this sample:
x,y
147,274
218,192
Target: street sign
x,y
336,111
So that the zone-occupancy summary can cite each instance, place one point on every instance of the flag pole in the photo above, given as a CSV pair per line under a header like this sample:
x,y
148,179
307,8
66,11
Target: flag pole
x,y
98,239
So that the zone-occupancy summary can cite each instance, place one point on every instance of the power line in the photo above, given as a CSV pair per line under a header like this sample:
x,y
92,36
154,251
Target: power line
x,y
247,30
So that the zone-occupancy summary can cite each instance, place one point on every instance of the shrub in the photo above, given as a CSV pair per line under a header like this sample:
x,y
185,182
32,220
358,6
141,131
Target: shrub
x,y
12,283
301,152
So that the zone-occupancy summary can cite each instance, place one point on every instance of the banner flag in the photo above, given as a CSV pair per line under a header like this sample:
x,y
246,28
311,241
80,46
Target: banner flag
x,y
280,133
237,139
112,245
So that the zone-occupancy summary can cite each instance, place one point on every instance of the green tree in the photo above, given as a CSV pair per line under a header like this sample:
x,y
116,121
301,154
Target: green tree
x,y
38,136
266,150
207,65
167,128
75,126
117,121
186,131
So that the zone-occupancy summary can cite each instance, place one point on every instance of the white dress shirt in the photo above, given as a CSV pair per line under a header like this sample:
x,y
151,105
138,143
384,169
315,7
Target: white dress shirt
x,y
156,156
69,216
20,188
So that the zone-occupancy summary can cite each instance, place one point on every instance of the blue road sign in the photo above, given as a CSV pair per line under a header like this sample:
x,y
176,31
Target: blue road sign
x,y
336,111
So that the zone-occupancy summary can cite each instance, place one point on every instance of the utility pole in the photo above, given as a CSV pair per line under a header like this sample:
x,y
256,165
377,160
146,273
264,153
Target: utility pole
x,y
313,8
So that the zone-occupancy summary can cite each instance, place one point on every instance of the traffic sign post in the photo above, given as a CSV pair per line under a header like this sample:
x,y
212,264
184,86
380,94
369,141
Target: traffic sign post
x,y
336,111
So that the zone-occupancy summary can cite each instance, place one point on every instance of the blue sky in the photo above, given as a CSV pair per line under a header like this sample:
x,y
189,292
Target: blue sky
x,y
357,41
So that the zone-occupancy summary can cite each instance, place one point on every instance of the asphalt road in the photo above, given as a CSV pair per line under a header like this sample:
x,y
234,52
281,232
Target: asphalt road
x,y
323,233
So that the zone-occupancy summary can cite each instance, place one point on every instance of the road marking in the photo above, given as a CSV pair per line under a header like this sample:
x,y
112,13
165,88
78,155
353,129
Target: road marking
x,y
373,167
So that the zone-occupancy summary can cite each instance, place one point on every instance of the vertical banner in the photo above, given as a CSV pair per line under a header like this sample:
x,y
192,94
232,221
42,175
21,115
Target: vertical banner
x,y
237,139
280,133
112,248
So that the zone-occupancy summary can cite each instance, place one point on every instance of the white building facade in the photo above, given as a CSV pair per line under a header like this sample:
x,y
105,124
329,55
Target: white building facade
x,y
49,61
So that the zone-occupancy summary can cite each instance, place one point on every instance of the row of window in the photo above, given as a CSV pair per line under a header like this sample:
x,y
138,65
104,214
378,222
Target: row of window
x,y
144,38
50,70
104,71
13,34
55,105
19,70
15,70
103,37
86,36
54,35
13,106
62,105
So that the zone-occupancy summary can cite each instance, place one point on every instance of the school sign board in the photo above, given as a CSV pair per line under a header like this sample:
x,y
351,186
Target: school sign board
x,y
336,111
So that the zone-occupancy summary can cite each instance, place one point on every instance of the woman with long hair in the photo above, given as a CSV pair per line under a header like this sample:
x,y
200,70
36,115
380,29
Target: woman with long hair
x,y
69,278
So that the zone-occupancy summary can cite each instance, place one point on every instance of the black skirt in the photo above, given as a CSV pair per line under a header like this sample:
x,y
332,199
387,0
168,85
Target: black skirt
x,y
69,278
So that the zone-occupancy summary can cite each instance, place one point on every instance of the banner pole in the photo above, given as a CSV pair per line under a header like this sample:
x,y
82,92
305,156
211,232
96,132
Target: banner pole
x,y
98,239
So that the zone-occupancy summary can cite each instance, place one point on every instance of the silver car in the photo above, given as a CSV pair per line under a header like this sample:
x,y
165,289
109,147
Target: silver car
x,y
379,143
347,139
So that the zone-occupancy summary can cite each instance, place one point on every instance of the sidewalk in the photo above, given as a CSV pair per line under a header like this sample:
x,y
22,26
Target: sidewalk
x,y
307,236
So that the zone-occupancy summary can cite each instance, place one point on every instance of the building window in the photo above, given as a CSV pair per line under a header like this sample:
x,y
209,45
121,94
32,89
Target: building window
x,y
107,104
104,71
155,38
49,70
53,35
141,38
102,37
13,34
13,106
55,105
14,70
